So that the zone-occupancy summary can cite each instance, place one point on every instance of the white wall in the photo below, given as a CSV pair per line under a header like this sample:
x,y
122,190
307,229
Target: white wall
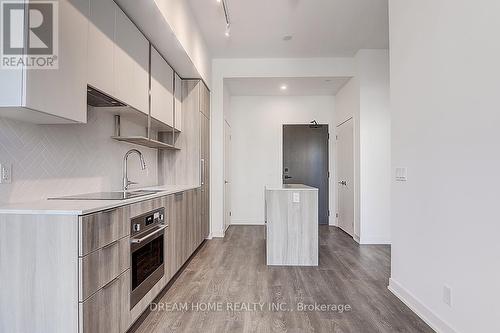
x,y
257,146
234,68
374,147
366,98
445,83
57,160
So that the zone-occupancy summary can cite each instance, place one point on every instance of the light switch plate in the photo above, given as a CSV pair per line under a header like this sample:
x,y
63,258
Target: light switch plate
x,y
5,173
296,197
401,174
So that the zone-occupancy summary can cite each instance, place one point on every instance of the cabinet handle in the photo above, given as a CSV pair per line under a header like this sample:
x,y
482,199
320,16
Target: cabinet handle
x,y
110,283
110,244
202,171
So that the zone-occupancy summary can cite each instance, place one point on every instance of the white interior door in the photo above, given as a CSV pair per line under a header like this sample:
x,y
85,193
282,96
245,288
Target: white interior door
x,y
227,175
345,176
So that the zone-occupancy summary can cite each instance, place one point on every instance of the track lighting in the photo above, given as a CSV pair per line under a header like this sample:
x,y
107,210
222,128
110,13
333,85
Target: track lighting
x,y
227,33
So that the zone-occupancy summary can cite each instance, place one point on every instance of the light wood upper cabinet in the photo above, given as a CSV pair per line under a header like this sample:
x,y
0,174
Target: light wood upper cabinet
x,y
162,88
59,95
101,45
178,103
131,63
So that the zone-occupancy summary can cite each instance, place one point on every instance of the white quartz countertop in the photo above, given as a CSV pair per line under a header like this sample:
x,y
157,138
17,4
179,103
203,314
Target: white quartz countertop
x,y
291,187
83,207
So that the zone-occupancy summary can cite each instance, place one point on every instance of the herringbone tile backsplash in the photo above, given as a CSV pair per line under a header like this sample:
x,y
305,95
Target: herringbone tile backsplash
x,y
56,160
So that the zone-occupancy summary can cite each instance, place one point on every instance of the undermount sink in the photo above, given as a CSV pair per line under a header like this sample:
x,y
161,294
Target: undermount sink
x,y
118,195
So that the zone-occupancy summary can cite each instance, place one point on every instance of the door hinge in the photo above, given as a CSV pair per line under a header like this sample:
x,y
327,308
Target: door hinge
x,y
230,213
336,137
337,215
328,213
328,174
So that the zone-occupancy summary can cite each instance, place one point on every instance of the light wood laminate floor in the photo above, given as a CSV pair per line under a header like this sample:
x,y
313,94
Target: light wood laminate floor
x,y
233,269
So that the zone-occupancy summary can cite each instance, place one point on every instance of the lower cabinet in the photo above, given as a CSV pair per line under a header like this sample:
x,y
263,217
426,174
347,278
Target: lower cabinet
x,y
107,311
103,256
185,230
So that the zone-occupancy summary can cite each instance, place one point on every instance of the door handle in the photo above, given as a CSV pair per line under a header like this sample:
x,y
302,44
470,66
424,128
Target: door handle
x,y
288,177
343,182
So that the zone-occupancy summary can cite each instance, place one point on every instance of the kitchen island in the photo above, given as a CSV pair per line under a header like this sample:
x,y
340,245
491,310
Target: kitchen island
x,y
291,225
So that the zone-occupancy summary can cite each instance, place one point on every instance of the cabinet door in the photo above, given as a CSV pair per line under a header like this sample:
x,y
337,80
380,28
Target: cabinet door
x,y
178,103
162,88
107,311
62,92
131,64
180,230
101,45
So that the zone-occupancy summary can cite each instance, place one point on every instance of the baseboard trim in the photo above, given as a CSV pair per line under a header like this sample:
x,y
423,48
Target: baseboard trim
x,y
419,308
247,222
219,234
374,241
356,238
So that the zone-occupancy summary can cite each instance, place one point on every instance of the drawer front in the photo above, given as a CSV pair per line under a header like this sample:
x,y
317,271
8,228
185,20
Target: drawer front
x,y
100,267
100,229
142,207
108,310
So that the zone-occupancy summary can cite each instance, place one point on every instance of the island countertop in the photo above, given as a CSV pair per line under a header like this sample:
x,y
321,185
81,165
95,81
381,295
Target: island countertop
x,y
290,187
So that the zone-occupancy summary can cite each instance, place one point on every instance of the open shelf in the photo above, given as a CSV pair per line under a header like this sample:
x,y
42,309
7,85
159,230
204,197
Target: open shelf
x,y
145,142
160,126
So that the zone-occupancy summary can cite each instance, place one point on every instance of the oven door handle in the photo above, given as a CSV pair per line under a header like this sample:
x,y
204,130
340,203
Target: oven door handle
x,y
140,240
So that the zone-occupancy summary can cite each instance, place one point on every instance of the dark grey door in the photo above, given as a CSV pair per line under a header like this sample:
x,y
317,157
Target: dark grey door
x,y
305,160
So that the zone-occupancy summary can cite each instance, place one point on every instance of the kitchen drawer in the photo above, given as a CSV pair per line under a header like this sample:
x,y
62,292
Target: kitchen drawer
x,y
100,229
101,266
108,310
142,207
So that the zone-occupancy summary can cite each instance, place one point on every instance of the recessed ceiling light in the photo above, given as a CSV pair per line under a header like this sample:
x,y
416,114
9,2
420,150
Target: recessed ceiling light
x,y
219,1
284,87
287,38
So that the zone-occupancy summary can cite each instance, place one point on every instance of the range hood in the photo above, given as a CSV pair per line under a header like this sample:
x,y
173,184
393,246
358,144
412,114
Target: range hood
x,y
99,99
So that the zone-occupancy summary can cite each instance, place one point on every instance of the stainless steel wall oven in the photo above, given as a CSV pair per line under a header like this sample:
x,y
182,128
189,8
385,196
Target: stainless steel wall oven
x,y
146,253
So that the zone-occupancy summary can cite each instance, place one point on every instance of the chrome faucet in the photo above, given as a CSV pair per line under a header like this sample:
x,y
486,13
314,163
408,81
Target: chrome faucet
x,y
127,182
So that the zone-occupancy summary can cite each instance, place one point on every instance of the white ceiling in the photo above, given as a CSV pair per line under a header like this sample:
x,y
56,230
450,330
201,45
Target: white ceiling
x,y
320,28
309,86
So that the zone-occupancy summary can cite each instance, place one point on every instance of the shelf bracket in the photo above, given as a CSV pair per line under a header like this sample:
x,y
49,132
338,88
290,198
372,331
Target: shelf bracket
x,y
117,125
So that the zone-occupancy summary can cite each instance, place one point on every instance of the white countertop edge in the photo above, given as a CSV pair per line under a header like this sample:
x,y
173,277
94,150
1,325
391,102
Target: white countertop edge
x,y
88,206
292,187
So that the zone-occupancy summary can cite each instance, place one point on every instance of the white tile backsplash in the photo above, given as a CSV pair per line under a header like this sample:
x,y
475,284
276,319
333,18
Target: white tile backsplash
x,y
57,160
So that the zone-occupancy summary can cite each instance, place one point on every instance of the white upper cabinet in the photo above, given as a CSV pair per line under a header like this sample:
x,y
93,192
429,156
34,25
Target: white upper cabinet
x,y
131,64
101,45
178,103
49,96
162,87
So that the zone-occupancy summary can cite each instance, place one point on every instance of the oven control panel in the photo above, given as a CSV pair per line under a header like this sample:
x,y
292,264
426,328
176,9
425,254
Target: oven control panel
x,y
147,221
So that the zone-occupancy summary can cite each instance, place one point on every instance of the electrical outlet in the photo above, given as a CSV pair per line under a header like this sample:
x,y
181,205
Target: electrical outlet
x,y
447,295
5,173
